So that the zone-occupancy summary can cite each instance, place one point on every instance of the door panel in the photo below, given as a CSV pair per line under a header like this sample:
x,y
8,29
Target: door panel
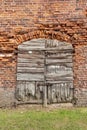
x,y
29,91
60,93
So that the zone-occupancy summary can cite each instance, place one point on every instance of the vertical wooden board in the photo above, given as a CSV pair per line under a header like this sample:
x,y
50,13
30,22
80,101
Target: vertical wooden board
x,y
39,90
29,91
20,93
60,92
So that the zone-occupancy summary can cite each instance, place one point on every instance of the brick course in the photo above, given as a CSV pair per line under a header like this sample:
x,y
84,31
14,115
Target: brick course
x,y
22,20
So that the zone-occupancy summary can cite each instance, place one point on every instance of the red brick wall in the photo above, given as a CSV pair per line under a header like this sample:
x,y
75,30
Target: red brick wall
x,y
22,20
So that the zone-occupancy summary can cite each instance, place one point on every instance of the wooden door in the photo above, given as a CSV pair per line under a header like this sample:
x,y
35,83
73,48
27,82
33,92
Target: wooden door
x,y
45,63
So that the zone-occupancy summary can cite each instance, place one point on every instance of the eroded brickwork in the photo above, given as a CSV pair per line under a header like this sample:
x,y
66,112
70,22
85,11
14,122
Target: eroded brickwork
x,y
22,20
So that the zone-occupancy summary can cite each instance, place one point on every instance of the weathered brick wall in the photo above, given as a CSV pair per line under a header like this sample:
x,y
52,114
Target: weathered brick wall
x,y
22,20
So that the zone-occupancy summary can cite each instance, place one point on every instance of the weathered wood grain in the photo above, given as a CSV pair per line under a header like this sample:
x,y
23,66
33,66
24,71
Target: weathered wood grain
x,y
62,75
58,81
57,68
30,60
32,55
60,92
30,77
28,64
30,70
58,55
56,61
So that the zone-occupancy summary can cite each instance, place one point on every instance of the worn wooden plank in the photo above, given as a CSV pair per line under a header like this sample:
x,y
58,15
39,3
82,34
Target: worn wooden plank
x,y
40,64
56,61
26,60
58,81
30,77
31,70
39,48
57,68
59,57
34,44
42,44
32,55
62,75
37,55
61,65
60,48
53,54
28,64
28,48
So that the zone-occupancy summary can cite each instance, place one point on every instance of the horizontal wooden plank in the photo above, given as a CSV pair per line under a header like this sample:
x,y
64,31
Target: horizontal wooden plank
x,y
26,60
28,48
56,61
31,70
57,78
57,68
49,82
64,75
37,55
32,55
60,48
30,77
33,43
28,64
61,73
38,48
59,56
67,65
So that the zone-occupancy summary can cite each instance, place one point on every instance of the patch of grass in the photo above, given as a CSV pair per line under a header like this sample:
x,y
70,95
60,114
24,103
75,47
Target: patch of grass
x,y
59,119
